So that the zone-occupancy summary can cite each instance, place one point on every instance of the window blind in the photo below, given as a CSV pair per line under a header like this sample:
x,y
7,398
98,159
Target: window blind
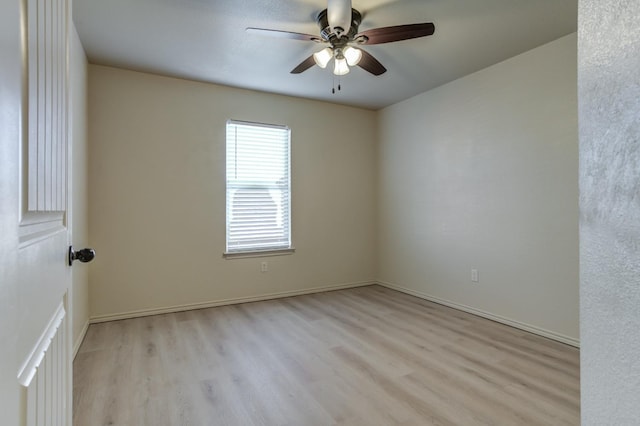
x,y
258,187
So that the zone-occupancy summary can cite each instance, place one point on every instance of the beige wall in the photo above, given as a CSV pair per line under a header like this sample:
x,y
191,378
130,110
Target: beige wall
x,y
79,185
157,201
482,173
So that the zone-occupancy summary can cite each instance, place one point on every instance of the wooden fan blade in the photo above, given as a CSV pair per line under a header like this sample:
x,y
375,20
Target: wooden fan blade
x,y
283,34
397,33
304,65
371,64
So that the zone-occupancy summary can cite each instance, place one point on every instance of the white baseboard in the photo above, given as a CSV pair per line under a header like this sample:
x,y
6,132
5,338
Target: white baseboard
x,y
214,303
210,304
80,338
513,323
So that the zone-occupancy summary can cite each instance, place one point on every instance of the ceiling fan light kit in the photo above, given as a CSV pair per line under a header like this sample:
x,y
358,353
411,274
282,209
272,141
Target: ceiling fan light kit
x,y
341,67
352,55
323,57
349,54
339,29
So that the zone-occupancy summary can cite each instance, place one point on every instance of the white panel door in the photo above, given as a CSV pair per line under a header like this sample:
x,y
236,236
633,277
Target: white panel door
x,y
35,361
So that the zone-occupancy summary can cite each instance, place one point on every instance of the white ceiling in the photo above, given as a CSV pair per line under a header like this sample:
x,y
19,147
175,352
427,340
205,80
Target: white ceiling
x,y
206,40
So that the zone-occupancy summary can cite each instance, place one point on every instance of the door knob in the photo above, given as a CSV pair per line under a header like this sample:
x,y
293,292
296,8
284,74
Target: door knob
x,y
84,255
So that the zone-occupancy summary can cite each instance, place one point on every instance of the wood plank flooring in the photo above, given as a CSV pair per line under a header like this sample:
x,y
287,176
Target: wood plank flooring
x,y
364,356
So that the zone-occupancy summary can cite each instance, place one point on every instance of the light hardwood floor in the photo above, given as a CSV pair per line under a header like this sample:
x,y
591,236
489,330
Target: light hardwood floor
x,y
364,356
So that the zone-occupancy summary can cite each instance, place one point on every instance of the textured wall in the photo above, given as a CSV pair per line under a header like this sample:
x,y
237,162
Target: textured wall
x,y
482,173
609,117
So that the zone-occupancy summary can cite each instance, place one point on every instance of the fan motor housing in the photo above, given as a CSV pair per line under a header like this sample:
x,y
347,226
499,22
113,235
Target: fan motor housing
x,y
336,37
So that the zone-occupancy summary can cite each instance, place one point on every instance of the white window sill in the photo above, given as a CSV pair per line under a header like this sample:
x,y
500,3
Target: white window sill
x,y
258,253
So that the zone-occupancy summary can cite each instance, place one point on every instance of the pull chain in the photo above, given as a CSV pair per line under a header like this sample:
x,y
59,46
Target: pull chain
x,y
333,85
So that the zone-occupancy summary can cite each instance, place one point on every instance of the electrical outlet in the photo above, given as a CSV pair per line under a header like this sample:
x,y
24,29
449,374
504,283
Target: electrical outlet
x,y
264,267
474,275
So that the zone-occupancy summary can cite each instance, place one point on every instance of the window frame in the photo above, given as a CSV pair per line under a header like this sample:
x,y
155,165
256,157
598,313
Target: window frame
x,y
244,252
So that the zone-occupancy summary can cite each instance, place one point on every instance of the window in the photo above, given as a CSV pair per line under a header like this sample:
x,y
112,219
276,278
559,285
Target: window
x,y
258,188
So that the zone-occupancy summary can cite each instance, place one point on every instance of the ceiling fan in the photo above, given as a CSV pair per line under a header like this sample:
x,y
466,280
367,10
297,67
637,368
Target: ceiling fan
x,y
339,29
